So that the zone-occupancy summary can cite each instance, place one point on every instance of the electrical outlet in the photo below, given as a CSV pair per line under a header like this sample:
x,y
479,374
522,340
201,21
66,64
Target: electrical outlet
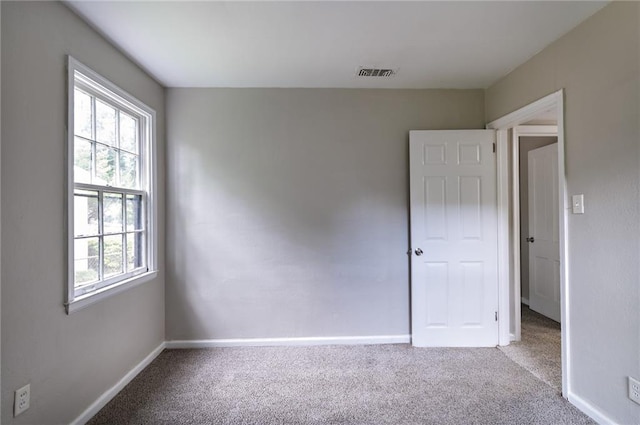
x,y
634,390
21,400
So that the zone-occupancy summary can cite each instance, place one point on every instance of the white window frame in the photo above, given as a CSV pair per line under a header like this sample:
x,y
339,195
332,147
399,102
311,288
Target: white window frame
x,y
77,299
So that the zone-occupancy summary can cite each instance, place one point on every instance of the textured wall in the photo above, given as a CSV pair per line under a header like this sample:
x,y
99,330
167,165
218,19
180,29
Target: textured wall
x,y
598,65
70,360
287,208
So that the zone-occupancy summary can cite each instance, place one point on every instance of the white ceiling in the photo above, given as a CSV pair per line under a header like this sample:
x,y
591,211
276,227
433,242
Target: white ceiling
x,y
321,44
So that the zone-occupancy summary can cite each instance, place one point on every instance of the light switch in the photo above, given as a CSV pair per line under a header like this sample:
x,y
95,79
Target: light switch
x,y
578,204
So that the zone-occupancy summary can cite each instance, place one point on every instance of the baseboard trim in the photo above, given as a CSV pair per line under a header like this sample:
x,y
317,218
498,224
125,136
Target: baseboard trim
x,y
276,342
113,391
524,301
590,410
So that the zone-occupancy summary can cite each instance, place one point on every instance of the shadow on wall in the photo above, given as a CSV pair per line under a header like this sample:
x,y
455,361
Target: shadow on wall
x,y
291,220
248,235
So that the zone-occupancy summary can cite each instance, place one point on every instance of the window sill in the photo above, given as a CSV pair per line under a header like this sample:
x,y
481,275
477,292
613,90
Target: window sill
x,y
94,297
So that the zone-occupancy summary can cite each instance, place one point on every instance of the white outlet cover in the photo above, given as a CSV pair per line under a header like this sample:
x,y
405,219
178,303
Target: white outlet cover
x,y
634,390
21,400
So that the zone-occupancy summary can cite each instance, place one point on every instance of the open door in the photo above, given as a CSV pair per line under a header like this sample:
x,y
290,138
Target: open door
x,y
454,287
544,243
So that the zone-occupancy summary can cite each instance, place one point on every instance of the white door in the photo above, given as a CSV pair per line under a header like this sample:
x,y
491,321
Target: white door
x,y
544,242
454,283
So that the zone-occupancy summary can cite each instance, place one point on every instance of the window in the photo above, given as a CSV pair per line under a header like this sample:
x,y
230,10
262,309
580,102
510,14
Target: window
x,y
111,177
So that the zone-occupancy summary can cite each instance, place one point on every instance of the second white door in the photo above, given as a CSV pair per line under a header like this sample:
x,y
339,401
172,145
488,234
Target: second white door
x,y
544,244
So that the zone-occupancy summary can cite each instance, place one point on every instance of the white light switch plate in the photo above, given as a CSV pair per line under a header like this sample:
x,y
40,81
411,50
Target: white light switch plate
x,y
577,202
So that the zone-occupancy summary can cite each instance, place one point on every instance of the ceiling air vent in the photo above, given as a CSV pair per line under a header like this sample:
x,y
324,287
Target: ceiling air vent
x,y
376,72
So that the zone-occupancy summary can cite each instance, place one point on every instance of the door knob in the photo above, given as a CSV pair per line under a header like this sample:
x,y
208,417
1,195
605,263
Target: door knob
x,y
418,252
531,239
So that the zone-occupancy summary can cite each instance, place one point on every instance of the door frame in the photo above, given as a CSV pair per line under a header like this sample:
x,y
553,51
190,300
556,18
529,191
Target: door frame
x,y
505,246
520,131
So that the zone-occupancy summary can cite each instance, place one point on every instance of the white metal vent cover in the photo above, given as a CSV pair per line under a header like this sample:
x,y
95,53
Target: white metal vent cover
x,y
376,72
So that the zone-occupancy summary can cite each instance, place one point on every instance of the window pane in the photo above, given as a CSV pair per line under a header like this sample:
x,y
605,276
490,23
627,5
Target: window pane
x,y
134,212
134,250
113,255
86,260
105,165
112,213
105,123
128,133
110,171
128,170
81,161
82,114
85,213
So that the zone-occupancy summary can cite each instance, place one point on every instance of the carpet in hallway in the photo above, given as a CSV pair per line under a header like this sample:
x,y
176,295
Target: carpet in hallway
x,y
539,351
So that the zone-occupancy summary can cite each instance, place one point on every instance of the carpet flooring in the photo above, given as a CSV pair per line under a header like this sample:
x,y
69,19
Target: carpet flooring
x,y
375,384
539,351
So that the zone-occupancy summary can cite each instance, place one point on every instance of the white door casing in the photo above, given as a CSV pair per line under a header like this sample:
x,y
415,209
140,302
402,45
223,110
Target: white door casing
x,y
502,125
454,287
544,243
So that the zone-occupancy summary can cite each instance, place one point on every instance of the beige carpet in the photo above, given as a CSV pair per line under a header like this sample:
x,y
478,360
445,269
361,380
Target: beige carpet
x,y
376,384
539,351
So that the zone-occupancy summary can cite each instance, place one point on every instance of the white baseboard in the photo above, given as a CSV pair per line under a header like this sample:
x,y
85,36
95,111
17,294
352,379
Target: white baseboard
x,y
590,410
524,301
113,391
272,342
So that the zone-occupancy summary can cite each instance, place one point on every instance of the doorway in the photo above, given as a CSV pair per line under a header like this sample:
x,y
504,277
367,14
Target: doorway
x,y
536,241
536,345
548,108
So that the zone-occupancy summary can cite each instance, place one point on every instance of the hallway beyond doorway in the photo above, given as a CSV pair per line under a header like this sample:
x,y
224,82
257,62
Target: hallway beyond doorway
x,y
539,349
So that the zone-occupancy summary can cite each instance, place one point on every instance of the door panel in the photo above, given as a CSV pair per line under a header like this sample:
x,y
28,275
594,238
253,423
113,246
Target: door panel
x,y
435,208
472,286
544,250
437,311
471,207
454,223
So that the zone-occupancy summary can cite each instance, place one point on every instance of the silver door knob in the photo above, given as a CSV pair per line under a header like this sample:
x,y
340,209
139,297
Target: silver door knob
x,y
531,239
418,252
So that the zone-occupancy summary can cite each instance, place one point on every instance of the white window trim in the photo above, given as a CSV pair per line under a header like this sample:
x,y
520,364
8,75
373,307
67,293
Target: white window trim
x,y
72,302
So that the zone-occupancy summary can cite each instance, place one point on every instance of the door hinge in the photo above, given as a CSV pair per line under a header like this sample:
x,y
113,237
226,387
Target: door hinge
x,y
496,316
494,148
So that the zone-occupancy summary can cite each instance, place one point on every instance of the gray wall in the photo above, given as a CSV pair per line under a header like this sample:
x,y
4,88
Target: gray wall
x,y
70,360
527,144
287,208
598,65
